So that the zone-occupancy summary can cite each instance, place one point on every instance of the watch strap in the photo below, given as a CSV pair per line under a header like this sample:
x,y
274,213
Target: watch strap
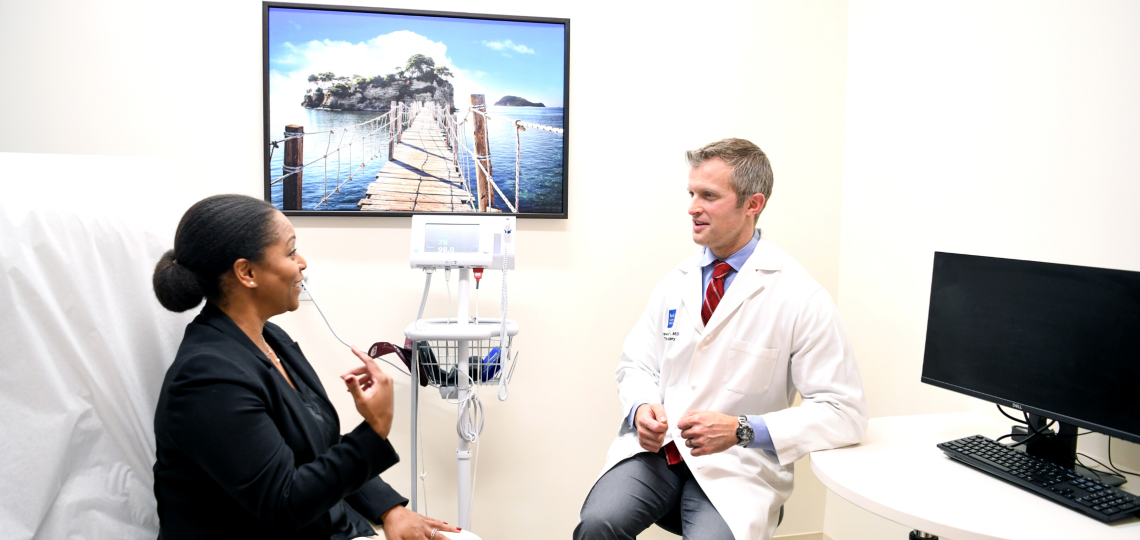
x,y
744,433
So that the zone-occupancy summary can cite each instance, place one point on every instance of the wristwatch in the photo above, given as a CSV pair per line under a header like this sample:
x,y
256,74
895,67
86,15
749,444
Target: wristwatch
x,y
744,432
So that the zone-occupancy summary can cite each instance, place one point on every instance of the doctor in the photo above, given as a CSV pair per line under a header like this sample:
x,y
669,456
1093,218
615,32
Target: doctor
x,y
708,375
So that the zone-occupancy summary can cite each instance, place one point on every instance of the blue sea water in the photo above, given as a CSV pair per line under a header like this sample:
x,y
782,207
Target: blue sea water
x,y
541,180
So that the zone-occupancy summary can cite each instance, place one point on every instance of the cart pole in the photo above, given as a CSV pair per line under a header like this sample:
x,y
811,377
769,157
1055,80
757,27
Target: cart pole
x,y
415,386
463,452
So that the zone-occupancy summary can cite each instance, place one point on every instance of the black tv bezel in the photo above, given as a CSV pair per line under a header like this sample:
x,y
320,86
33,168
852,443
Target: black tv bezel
x,y
1046,413
267,174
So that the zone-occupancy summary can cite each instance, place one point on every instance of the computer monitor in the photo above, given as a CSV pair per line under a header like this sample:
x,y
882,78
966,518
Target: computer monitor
x,y
1057,341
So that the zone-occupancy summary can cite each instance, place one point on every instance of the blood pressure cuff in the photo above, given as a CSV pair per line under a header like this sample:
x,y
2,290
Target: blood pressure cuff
x,y
480,369
429,367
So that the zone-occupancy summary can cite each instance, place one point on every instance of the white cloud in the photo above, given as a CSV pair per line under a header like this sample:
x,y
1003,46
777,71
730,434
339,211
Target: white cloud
x,y
381,55
288,59
508,45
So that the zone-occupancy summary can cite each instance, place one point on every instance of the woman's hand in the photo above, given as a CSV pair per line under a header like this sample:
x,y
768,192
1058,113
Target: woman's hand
x,y
371,389
403,524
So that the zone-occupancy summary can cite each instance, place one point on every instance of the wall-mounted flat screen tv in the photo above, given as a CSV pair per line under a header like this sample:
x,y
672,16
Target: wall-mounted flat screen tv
x,y
385,112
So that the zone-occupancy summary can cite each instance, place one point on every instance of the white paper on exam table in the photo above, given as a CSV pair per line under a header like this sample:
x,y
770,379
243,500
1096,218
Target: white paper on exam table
x,y
83,342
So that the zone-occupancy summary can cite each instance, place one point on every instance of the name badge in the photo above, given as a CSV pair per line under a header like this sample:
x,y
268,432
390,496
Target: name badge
x,y
670,334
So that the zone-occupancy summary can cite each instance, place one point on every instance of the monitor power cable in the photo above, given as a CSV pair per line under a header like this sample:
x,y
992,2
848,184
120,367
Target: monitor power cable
x,y
1113,466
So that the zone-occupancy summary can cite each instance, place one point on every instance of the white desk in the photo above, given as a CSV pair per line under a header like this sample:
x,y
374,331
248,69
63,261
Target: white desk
x,y
899,474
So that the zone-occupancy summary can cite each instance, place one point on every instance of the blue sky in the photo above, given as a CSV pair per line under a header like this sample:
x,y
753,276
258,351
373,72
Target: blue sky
x,y
491,57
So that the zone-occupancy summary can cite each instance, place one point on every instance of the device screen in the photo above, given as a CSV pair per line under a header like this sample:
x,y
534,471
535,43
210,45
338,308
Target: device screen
x,y
1058,338
451,238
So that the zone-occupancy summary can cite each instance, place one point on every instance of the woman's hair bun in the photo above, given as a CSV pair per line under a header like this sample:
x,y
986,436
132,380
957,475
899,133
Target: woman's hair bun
x,y
213,233
176,287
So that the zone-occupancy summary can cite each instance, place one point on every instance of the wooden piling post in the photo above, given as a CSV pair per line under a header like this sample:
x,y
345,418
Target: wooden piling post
x,y
392,119
482,152
291,163
400,124
452,138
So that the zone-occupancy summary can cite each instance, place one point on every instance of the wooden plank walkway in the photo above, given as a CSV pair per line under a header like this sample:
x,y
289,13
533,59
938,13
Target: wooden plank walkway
x,y
420,176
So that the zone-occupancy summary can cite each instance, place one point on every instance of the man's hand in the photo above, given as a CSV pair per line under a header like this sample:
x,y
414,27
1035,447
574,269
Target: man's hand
x,y
708,432
651,426
403,524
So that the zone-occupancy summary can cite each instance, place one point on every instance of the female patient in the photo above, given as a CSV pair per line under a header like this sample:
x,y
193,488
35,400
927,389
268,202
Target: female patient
x,y
249,445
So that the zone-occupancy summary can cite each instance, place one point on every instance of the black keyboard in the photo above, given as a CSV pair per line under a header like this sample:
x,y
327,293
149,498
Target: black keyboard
x,y
1044,478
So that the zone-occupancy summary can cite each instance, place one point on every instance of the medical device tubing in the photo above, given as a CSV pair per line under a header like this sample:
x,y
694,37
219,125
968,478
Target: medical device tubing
x,y
335,335
504,347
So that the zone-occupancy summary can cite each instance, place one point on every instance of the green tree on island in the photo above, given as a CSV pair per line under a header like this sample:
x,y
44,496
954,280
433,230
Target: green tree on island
x,y
419,66
364,93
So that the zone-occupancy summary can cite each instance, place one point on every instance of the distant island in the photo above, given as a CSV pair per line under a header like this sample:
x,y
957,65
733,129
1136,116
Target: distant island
x,y
515,101
419,80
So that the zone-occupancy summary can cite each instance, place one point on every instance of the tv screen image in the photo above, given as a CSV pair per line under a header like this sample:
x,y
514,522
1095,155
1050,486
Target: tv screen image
x,y
398,112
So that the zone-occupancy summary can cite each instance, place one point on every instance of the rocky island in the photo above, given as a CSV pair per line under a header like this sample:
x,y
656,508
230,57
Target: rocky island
x,y
420,80
515,101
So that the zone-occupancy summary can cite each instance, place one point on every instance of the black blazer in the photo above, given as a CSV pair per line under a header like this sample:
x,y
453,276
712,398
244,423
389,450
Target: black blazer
x,y
241,456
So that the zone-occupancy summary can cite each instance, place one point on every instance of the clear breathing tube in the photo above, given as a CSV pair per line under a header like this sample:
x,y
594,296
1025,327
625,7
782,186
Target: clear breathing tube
x,y
343,342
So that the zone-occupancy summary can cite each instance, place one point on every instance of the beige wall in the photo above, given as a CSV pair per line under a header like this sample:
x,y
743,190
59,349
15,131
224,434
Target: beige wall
x,y
1002,129
901,128
145,78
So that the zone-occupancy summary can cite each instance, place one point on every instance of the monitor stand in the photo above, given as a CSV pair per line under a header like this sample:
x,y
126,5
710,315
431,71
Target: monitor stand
x,y
1059,447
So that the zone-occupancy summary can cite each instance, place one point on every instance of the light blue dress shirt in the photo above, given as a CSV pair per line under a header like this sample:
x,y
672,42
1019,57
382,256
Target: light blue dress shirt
x,y
761,439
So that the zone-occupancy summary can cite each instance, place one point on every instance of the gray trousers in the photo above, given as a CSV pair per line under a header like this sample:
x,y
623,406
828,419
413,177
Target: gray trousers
x,y
641,490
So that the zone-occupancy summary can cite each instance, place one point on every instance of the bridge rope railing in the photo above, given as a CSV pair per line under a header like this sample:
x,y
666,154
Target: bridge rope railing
x,y
472,155
369,135
458,139
446,122
452,129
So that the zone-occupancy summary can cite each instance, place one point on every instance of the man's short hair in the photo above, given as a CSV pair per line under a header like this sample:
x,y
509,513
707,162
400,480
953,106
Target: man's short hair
x,y
751,171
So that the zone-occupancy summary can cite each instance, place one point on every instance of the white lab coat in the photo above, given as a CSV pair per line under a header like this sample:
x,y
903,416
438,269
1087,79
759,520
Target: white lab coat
x,y
776,332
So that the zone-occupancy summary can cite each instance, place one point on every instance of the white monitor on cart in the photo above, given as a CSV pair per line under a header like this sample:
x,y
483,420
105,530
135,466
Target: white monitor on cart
x,y
450,347
462,241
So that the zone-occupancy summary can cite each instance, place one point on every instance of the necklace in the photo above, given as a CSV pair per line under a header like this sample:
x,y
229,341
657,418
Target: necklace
x,y
269,352
276,362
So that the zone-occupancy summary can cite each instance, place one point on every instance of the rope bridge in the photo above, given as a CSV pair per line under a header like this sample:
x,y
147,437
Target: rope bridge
x,y
341,144
419,175
426,172
479,152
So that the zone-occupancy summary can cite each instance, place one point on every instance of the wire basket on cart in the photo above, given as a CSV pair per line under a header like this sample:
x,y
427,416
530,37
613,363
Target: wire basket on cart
x,y
437,346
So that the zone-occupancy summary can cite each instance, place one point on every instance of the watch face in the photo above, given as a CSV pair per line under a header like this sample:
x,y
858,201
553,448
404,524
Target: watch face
x,y
744,434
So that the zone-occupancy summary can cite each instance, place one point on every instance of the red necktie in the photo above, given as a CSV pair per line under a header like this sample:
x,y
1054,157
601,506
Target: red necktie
x,y
715,291
712,299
